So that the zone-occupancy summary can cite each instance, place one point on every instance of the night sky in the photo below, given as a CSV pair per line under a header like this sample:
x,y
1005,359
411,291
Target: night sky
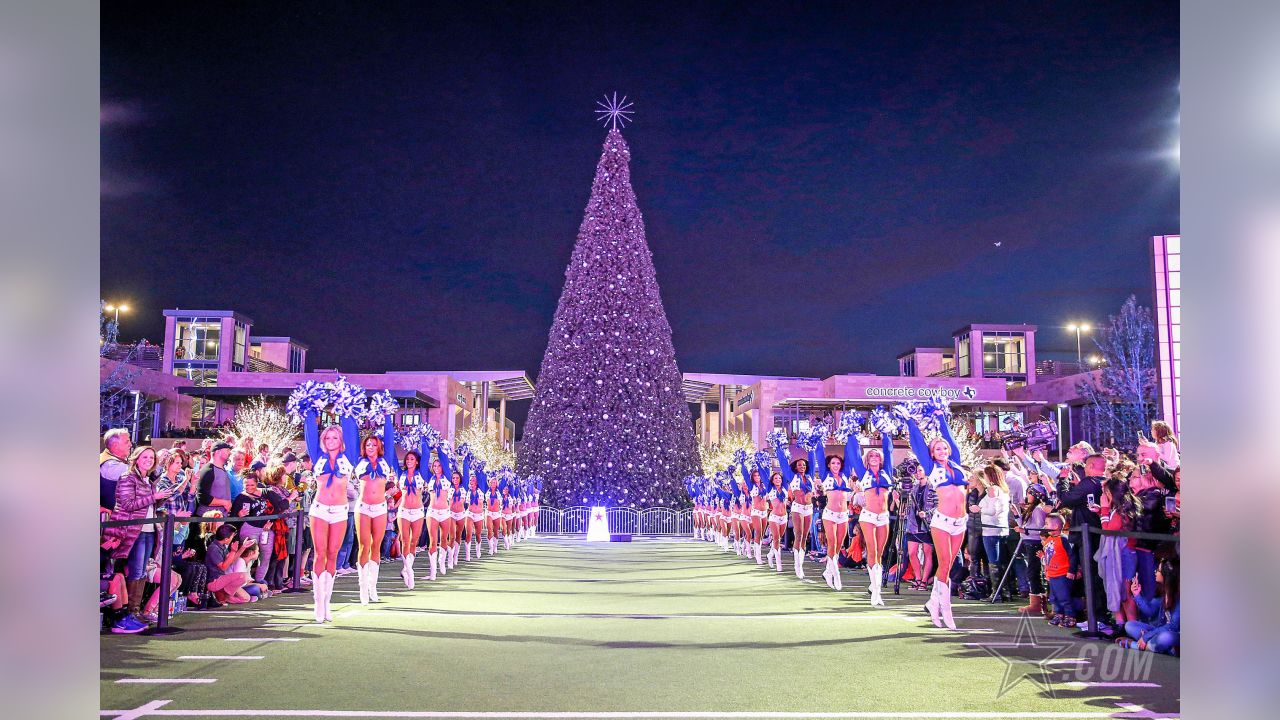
x,y
822,185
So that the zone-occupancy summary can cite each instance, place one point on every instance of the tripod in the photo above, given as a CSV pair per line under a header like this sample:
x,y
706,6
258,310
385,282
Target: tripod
x,y
900,537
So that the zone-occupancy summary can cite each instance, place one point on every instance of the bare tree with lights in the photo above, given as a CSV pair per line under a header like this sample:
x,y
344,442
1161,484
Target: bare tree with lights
x,y
1121,400
609,423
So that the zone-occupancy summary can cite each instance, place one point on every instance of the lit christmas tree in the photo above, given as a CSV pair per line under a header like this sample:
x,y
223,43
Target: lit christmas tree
x,y
609,424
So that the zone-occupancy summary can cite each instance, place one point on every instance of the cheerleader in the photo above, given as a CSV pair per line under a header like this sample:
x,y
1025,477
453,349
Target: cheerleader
x,y
440,489
328,511
800,491
411,515
776,496
835,517
374,473
493,514
475,511
757,509
949,519
508,513
535,506
724,519
874,486
458,512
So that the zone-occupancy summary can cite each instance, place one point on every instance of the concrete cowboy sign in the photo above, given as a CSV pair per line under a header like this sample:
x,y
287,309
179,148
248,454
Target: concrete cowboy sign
x,y
967,392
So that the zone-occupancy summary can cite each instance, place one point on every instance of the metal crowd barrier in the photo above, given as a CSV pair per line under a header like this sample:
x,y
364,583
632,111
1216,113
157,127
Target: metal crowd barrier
x,y
660,521
166,558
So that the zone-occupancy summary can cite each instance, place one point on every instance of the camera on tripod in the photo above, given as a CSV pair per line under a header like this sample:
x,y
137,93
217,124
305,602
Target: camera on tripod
x,y
1036,436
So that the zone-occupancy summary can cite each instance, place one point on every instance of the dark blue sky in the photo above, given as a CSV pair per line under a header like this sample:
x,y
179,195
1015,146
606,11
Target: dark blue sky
x,y
822,185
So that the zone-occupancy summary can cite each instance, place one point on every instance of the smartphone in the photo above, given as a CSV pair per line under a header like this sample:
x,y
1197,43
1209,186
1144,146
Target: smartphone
x,y
1089,500
1170,503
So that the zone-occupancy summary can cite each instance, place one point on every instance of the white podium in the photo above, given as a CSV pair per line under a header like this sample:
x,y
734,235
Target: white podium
x,y
598,525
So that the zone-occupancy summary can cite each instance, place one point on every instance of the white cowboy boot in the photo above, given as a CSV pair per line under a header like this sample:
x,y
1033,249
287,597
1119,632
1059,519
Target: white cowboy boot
x,y
493,545
443,560
373,581
433,557
934,604
318,595
798,560
946,609
756,548
362,575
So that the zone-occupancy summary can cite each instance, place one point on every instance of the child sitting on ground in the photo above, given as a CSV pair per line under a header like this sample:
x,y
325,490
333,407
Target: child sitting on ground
x,y
255,589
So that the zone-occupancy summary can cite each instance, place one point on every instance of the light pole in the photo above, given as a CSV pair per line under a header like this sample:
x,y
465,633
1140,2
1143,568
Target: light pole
x,y
1078,328
117,309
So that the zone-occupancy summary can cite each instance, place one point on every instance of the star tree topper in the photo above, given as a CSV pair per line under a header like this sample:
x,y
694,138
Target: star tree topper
x,y
613,112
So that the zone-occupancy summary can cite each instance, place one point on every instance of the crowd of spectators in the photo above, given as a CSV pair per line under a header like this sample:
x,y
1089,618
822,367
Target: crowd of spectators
x,y
213,563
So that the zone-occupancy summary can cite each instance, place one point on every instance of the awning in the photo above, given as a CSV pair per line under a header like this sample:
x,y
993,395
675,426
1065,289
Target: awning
x,y
231,392
836,403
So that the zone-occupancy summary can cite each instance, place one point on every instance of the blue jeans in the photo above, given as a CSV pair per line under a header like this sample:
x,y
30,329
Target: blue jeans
x,y
1162,641
1026,567
387,541
1060,596
143,548
1147,573
344,552
993,545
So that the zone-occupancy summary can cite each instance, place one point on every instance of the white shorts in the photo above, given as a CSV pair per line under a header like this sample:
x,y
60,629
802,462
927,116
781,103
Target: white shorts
x,y
328,513
877,519
759,512
438,514
802,510
476,516
460,515
949,525
508,515
371,511
836,517
778,519
412,514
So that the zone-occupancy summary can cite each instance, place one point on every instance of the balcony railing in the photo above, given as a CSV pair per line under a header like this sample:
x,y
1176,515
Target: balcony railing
x,y
1061,368
143,356
259,365
945,372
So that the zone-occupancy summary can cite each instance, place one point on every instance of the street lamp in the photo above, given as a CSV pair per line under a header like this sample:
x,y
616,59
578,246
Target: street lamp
x,y
1078,328
117,309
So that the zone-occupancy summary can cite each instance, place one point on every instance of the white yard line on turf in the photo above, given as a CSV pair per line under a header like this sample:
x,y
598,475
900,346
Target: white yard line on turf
x,y
1081,683
166,681
142,710
659,616
262,639
220,657
1127,711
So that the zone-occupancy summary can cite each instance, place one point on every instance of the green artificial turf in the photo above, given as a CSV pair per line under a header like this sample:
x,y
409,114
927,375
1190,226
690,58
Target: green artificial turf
x,y
562,625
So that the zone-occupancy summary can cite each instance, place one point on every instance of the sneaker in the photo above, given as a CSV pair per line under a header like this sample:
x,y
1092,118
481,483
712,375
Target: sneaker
x,y
128,625
150,618
1056,620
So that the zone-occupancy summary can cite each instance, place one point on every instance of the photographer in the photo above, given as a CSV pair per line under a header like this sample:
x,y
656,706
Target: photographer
x,y
1031,521
223,552
921,499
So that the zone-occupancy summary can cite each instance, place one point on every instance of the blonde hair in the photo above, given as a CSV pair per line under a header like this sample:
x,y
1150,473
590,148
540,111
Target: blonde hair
x,y
273,475
136,454
342,441
993,475
1162,432
207,529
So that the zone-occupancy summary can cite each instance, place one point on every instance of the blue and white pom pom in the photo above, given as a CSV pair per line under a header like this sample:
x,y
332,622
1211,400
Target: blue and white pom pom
x,y
808,440
411,438
740,456
347,399
777,438
763,461
850,424
310,395
463,450
381,404
938,406
883,422
431,435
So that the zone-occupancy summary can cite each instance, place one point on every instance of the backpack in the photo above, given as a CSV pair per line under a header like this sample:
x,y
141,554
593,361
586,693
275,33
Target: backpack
x,y
975,587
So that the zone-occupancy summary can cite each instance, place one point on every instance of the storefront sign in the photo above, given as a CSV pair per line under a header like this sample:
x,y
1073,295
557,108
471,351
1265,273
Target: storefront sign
x,y
744,400
961,394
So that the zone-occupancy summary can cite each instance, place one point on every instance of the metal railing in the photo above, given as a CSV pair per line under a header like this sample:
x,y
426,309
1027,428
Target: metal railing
x,y
622,521
253,364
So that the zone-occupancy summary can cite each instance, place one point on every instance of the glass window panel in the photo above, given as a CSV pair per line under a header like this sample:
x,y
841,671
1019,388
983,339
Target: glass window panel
x,y
1175,262
1175,281
1173,245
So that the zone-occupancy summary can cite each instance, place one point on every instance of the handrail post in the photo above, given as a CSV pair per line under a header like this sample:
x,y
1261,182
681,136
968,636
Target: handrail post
x,y
296,584
1086,567
166,564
